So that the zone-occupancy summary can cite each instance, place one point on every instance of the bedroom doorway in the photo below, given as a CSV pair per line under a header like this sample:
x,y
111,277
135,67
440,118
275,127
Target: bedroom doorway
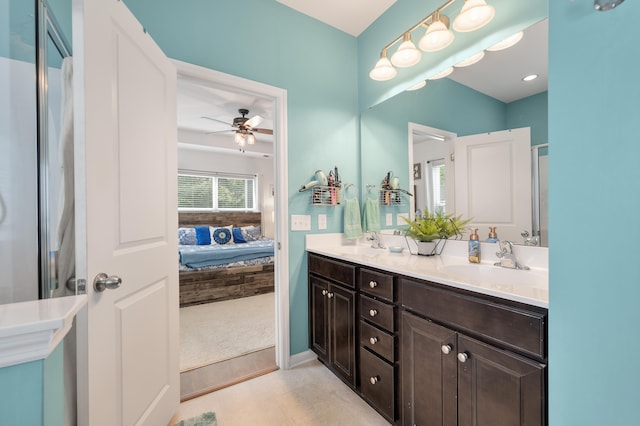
x,y
233,327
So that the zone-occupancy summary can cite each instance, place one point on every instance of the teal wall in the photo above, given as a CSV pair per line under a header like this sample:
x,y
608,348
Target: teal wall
x,y
317,65
593,272
33,393
17,30
531,112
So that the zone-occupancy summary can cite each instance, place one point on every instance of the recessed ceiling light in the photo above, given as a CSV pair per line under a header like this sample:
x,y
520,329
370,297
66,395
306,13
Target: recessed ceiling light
x,y
529,77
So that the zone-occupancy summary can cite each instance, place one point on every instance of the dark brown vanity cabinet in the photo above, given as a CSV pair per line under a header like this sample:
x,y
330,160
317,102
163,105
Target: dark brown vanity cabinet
x,y
332,314
470,360
378,341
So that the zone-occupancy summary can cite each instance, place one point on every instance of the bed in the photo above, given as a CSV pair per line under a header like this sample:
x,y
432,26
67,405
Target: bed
x,y
239,274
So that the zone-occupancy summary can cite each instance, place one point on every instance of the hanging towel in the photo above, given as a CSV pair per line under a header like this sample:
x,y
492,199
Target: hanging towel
x,y
352,227
371,216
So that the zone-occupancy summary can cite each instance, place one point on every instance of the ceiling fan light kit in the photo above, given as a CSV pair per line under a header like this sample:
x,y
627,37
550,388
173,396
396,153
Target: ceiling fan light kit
x,y
474,15
244,128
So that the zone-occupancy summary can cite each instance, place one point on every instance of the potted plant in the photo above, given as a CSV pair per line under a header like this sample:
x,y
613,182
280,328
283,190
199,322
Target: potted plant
x,y
428,230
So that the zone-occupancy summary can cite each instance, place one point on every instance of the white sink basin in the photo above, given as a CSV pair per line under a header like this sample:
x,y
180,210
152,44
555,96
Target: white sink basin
x,y
487,273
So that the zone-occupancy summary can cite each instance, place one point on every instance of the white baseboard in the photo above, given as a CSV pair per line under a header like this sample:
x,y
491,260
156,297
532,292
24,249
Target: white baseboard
x,y
301,358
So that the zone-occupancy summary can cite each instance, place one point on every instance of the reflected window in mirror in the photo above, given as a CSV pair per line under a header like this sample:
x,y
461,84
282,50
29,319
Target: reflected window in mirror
x,y
436,189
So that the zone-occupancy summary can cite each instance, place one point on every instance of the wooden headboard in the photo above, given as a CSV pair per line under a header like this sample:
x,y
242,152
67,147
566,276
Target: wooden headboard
x,y
187,219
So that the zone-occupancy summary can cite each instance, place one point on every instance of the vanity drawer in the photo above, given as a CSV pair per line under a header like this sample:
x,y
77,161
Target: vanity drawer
x,y
377,312
377,284
512,325
377,341
377,382
340,272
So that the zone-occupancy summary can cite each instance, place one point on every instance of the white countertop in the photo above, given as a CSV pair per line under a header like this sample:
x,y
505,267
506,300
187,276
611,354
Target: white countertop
x,y
450,268
30,331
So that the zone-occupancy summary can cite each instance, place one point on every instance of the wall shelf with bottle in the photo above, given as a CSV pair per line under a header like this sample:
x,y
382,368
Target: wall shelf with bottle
x,y
325,195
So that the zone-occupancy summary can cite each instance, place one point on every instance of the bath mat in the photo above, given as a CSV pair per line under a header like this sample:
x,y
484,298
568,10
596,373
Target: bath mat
x,y
205,419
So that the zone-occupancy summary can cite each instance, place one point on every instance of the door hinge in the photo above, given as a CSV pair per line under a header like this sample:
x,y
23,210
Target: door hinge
x,y
453,157
279,247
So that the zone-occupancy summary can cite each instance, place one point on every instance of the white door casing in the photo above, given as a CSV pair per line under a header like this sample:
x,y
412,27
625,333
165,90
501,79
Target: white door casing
x,y
493,182
126,139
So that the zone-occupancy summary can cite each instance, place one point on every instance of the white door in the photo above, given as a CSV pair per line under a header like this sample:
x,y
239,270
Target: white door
x,y
128,370
493,182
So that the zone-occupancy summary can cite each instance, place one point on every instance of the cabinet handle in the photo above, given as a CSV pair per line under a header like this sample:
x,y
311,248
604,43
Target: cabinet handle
x,y
373,312
324,292
373,284
330,295
374,379
463,357
373,340
446,349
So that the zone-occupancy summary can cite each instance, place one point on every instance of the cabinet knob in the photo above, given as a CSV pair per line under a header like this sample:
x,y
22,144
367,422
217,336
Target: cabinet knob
x,y
373,340
463,357
373,312
373,380
446,349
324,292
373,284
330,295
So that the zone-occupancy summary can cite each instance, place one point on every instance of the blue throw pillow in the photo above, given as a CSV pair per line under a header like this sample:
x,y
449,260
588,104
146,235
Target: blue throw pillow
x,y
221,235
203,235
187,237
237,236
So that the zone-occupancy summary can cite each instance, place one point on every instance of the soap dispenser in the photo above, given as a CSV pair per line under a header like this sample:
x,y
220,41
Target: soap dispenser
x,y
474,247
493,235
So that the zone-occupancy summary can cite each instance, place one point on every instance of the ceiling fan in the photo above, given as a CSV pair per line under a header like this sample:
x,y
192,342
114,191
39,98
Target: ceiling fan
x,y
244,127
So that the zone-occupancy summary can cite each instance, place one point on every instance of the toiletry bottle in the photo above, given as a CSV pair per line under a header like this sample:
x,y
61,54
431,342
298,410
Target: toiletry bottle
x,y
474,247
493,235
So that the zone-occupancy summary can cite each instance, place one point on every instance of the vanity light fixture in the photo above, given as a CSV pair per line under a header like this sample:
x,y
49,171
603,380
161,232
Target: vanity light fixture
x,y
383,70
474,15
418,85
441,74
438,35
507,42
530,77
470,60
407,55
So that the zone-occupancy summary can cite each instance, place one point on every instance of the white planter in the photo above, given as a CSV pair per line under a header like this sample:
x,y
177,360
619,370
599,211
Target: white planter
x,y
426,248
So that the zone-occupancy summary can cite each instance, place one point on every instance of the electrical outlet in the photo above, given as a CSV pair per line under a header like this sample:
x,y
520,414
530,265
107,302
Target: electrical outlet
x,y
322,221
300,222
389,220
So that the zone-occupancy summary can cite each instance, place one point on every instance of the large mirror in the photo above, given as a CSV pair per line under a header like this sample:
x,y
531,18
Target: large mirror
x,y
413,133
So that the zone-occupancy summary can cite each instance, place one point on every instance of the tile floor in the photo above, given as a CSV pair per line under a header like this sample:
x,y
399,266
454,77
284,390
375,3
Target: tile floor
x,y
306,395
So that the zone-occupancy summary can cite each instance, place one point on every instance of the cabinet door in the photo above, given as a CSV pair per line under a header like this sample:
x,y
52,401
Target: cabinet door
x,y
319,318
499,388
428,373
342,314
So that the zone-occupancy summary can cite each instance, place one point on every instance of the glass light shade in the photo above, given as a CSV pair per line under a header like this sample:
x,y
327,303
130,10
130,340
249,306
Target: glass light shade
x,y
471,60
475,14
507,42
418,85
383,70
407,55
530,77
437,37
239,139
251,139
442,74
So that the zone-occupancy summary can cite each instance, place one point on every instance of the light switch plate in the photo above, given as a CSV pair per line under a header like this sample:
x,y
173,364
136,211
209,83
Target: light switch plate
x,y
322,221
300,222
389,219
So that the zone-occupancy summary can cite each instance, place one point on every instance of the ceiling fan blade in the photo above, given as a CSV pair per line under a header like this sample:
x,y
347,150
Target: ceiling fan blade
x,y
253,121
220,131
215,119
263,131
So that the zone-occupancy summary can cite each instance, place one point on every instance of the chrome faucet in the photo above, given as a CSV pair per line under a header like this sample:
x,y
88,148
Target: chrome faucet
x,y
507,257
376,241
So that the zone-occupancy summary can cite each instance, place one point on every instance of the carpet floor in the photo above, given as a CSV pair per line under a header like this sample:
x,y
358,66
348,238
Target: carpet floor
x,y
219,331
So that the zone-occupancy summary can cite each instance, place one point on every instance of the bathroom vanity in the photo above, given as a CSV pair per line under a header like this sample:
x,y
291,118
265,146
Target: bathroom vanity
x,y
431,340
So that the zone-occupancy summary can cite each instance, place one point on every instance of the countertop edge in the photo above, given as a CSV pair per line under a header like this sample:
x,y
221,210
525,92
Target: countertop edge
x,y
30,331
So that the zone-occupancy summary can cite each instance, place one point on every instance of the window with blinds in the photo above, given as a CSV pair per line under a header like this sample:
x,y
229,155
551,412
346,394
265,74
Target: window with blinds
x,y
198,192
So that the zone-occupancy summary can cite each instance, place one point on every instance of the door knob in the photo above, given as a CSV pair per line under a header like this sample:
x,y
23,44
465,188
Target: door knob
x,y
373,284
463,357
324,292
373,312
373,380
102,282
446,349
330,295
373,340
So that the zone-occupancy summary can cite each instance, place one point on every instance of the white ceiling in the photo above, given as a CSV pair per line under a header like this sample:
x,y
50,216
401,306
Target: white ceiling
x,y
350,16
498,75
